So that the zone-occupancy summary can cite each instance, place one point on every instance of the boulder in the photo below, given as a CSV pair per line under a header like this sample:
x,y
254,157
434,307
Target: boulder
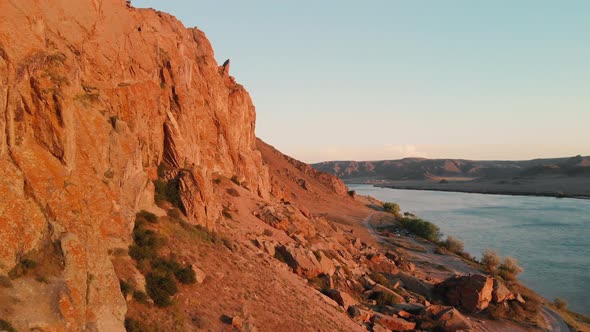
x,y
325,264
199,274
341,298
359,314
382,289
416,285
501,293
393,323
471,293
413,308
448,319
302,261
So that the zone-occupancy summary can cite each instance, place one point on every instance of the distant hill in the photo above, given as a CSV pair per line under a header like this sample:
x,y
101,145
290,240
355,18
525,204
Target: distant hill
x,y
430,169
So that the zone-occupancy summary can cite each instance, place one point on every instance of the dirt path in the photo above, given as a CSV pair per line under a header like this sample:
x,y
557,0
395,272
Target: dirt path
x,y
554,320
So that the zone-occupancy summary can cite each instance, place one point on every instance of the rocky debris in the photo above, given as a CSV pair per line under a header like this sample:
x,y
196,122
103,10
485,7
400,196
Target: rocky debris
x,y
237,322
342,298
447,319
416,285
199,274
393,323
412,308
471,293
325,264
302,261
382,289
501,293
359,314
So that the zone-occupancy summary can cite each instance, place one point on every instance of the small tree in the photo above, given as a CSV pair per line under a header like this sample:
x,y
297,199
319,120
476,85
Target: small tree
x,y
509,269
393,209
491,260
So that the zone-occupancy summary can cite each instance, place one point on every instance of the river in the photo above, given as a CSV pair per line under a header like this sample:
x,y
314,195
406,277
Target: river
x,y
549,237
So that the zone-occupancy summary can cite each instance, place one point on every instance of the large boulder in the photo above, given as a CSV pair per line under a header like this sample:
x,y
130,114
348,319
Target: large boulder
x,y
471,293
448,319
302,261
501,293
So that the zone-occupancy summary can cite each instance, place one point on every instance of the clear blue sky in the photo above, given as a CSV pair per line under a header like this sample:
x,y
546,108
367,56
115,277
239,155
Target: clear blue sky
x,y
387,79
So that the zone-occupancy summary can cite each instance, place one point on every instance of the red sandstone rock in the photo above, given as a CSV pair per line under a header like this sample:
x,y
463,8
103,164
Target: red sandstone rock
x,y
472,293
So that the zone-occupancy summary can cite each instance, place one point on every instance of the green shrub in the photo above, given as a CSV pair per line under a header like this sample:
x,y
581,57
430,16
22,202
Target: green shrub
x,y
267,232
186,275
146,241
422,228
6,326
126,288
227,214
232,192
217,180
140,297
392,208
132,325
147,216
235,180
160,288
175,214
168,192
162,170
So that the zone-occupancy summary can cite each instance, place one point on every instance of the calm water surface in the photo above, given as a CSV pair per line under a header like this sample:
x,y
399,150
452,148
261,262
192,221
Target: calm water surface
x,y
549,237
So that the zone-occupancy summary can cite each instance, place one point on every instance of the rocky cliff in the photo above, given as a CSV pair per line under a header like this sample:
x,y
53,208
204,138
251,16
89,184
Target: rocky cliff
x,y
94,96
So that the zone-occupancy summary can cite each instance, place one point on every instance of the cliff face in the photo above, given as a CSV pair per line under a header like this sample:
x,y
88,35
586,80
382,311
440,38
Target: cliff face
x,y
94,96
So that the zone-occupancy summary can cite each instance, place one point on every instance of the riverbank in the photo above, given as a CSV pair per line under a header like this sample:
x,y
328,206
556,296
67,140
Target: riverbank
x,y
578,188
548,236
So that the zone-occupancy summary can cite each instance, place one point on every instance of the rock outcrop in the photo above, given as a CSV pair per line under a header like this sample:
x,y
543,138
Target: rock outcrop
x,y
94,96
472,293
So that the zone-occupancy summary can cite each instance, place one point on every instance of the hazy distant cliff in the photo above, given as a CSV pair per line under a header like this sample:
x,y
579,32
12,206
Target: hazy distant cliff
x,y
420,168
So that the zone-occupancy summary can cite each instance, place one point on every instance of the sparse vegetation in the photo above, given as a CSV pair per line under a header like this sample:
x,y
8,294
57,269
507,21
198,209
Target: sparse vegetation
x,y
490,260
217,180
267,232
140,297
226,214
393,209
232,192
147,216
509,269
6,326
167,191
560,304
22,268
175,214
422,228
126,288
132,325
235,180
453,244
5,282
160,287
